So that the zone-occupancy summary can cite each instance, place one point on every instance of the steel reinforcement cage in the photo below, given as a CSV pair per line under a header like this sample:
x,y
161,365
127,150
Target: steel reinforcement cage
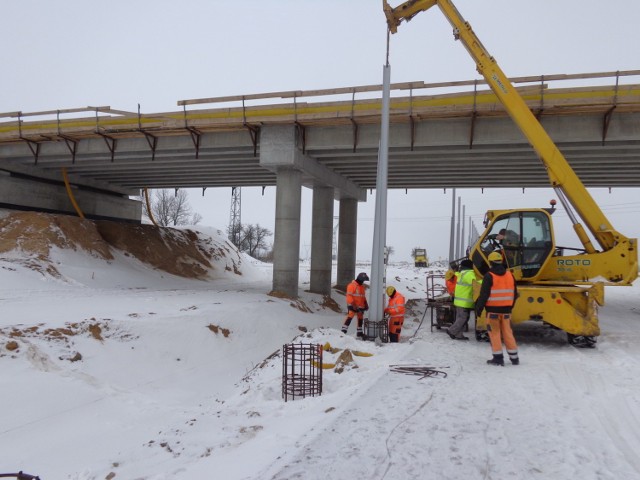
x,y
301,370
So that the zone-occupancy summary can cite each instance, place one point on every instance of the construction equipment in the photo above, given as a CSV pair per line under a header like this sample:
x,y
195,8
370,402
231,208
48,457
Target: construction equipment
x,y
557,286
439,302
420,257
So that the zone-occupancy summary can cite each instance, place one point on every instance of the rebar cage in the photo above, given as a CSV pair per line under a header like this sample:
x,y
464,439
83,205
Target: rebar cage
x,y
301,370
373,330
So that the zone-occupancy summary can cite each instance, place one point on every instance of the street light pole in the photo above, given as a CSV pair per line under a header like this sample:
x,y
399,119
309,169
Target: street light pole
x,y
376,307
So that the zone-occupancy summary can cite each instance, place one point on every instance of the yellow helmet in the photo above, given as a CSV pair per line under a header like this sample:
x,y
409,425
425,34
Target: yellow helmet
x,y
390,291
495,257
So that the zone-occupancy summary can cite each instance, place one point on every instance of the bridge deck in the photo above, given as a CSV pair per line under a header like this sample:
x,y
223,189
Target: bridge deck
x,y
433,137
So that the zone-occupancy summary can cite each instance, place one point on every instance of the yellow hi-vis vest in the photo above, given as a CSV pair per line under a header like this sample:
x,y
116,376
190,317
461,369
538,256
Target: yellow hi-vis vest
x,y
463,296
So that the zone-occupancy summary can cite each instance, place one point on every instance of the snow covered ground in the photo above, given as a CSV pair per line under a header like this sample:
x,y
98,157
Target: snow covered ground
x,y
116,369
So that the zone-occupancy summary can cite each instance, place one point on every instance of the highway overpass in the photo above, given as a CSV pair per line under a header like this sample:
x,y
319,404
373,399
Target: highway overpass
x,y
444,135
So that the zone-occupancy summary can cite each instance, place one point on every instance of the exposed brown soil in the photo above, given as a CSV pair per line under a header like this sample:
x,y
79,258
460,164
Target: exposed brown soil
x,y
97,329
36,233
216,329
175,251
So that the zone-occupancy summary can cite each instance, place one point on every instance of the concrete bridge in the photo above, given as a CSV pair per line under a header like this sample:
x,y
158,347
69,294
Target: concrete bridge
x,y
443,135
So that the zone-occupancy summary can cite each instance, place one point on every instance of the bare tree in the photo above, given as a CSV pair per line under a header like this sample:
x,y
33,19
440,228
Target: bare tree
x,y
169,208
267,256
390,251
253,239
234,234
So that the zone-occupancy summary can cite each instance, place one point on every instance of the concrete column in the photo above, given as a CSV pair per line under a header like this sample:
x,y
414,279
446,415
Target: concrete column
x,y
321,240
286,245
347,237
281,153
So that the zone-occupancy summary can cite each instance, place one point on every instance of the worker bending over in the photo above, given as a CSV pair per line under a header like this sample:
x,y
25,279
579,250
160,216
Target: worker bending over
x,y
395,310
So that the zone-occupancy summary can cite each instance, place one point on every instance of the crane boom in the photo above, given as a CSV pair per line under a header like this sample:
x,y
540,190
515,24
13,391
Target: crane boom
x,y
554,288
561,175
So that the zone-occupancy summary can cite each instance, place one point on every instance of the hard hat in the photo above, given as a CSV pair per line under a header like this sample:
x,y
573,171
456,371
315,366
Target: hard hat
x,y
362,277
390,291
495,257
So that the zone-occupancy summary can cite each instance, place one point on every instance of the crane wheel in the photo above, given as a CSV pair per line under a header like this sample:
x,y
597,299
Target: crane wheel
x,y
482,336
582,341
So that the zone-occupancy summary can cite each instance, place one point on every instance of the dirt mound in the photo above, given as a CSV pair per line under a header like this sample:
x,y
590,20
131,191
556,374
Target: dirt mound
x,y
36,233
176,251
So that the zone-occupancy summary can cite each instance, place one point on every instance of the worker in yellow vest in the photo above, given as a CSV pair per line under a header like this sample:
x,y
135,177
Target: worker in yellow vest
x,y
463,299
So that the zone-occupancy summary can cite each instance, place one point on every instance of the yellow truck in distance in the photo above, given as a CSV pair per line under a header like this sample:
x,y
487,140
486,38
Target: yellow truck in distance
x,y
420,257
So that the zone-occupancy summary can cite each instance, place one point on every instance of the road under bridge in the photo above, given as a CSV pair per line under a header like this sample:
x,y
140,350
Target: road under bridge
x,y
90,160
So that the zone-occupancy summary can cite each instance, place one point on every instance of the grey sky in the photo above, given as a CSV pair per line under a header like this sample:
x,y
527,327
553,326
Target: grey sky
x,y
72,53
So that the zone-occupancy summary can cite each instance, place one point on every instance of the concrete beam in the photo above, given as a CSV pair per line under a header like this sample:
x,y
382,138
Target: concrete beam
x,y
279,148
32,194
56,176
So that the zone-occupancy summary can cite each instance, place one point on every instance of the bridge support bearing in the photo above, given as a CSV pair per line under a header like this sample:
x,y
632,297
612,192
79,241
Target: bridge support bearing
x,y
321,239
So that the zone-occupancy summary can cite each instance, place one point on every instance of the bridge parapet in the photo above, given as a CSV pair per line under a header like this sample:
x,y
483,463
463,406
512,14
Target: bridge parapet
x,y
285,107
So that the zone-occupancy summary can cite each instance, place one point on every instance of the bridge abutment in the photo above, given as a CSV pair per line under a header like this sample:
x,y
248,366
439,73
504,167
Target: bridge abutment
x,y
26,192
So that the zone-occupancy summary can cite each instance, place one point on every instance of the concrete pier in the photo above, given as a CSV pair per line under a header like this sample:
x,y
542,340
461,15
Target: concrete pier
x,y
321,240
347,238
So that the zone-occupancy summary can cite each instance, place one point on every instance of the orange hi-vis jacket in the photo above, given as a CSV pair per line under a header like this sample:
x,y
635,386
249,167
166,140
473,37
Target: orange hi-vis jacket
x,y
396,310
502,291
355,295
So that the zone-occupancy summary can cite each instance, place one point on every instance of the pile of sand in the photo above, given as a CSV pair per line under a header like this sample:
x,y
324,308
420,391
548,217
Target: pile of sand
x,y
175,251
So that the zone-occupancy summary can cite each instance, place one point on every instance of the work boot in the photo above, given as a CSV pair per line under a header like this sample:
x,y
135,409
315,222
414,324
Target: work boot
x,y
360,336
497,360
515,361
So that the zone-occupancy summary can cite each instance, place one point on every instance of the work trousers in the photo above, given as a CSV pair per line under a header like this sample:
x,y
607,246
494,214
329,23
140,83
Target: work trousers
x,y
499,328
462,317
395,327
347,322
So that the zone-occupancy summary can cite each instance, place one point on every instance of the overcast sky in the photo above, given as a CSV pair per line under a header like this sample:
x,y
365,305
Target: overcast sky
x,y
75,53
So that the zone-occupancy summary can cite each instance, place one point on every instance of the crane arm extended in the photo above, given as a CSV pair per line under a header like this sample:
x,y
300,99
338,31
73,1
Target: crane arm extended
x,y
561,175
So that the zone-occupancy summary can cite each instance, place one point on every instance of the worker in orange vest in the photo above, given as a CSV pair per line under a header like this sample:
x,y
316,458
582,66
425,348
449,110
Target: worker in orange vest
x,y
450,280
498,296
395,310
356,303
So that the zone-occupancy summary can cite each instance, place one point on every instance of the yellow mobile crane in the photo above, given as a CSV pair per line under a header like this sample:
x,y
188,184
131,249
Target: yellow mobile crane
x,y
562,290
